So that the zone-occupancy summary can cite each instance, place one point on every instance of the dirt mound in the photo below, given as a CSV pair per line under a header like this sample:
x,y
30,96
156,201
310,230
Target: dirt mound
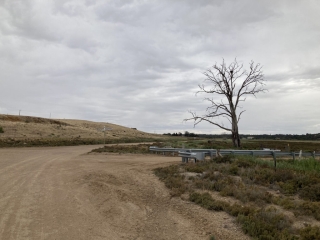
x,y
35,131
29,119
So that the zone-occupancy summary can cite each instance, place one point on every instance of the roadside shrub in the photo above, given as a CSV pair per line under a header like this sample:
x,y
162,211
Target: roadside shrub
x,y
203,184
284,202
197,168
233,169
299,208
176,184
247,194
164,172
236,210
172,179
224,159
206,201
222,183
140,148
289,187
247,180
244,163
308,209
308,179
311,193
310,233
256,195
1,129
266,224
263,176
301,181
283,175
212,175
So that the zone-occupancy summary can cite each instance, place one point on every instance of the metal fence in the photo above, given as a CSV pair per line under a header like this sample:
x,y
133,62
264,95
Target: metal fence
x,y
191,153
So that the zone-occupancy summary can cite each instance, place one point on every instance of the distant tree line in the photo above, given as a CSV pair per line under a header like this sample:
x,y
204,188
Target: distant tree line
x,y
179,134
173,134
307,136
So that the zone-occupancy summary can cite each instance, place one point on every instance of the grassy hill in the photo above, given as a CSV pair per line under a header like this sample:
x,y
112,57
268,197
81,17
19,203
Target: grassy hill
x,y
36,131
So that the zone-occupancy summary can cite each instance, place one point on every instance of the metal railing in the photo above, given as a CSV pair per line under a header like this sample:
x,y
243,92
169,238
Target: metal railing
x,y
215,152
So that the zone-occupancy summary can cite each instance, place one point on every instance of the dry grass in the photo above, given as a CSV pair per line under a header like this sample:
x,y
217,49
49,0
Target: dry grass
x,y
268,203
35,131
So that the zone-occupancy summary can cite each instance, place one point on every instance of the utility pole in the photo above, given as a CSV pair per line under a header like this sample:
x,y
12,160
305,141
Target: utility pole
x,y
19,112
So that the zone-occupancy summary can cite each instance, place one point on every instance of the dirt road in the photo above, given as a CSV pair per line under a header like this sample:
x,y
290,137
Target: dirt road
x,y
65,193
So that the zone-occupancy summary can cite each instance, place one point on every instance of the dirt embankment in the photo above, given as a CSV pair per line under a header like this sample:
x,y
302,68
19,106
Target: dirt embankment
x,y
35,131
64,193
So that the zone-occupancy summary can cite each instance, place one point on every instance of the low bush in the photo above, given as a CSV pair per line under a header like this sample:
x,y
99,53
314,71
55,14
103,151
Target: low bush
x,y
311,193
247,194
310,233
174,181
248,180
308,209
206,201
139,148
244,163
266,224
260,224
176,184
224,159
165,172
1,129
236,210
197,168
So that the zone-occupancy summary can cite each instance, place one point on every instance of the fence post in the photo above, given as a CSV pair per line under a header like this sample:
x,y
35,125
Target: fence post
x,y
314,154
211,155
275,160
293,156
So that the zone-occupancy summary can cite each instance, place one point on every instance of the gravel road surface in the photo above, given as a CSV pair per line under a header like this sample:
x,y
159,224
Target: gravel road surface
x,y
65,193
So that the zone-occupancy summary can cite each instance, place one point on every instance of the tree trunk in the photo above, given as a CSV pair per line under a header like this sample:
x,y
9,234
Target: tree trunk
x,y
235,133
236,139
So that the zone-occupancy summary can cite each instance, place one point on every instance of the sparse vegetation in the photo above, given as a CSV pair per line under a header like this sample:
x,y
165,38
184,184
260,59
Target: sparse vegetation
x,y
172,179
11,142
212,238
310,233
25,131
261,194
217,143
140,148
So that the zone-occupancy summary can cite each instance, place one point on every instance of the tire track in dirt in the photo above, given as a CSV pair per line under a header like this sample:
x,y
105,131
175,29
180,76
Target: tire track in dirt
x,y
125,187
22,186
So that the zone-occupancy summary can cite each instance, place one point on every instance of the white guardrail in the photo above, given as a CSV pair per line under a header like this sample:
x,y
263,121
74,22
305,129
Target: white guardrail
x,y
200,154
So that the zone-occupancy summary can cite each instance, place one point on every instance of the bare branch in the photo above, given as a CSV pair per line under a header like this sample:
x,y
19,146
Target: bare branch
x,y
240,115
233,83
198,119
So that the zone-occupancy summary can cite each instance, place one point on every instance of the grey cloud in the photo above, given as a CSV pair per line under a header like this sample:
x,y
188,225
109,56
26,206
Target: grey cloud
x,y
138,63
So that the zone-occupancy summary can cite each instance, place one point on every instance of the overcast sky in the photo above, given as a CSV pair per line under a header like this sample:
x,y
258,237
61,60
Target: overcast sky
x,y
139,63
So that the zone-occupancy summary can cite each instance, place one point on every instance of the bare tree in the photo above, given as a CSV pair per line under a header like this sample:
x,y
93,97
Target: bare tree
x,y
233,84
